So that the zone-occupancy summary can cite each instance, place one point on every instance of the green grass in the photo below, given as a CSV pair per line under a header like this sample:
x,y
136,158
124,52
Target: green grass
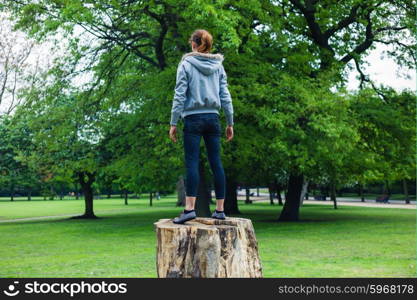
x,y
348,242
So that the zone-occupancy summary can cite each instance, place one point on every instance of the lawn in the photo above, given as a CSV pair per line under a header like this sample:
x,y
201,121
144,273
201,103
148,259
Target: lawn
x,y
348,242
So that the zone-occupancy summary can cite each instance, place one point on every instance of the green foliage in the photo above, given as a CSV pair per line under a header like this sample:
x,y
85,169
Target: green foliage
x,y
14,174
387,130
286,65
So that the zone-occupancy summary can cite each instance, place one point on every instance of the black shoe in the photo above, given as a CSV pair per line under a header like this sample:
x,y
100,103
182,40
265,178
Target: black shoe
x,y
184,217
218,215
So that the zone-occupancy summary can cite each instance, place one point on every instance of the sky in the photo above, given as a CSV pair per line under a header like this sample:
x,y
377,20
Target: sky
x,y
384,71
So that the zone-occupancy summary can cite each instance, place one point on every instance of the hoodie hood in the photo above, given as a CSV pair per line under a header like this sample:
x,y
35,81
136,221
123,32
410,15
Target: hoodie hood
x,y
206,63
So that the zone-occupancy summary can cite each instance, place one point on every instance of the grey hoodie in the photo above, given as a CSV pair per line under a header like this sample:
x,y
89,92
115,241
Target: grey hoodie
x,y
201,87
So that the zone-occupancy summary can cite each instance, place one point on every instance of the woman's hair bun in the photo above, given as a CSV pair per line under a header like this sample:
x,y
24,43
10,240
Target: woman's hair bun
x,y
203,39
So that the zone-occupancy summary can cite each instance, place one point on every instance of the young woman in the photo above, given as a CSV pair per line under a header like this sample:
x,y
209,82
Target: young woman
x,y
200,91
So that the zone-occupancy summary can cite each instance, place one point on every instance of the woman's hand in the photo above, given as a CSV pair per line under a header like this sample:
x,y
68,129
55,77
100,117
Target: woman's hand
x,y
173,133
229,133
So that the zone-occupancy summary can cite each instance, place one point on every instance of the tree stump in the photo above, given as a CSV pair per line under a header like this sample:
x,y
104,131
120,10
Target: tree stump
x,y
207,248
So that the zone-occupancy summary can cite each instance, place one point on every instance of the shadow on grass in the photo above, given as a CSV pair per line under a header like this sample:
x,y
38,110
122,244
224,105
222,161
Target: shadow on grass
x,y
257,213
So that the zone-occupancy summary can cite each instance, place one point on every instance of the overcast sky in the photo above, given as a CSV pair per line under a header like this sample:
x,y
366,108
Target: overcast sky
x,y
384,71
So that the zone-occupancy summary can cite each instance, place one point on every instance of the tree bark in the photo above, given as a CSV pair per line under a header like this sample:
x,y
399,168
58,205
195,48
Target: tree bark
x,y
210,198
12,192
181,191
303,192
279,196
126,201
291,209
405,188
386,188
207,248
247,201
202,205
361,192
271,194
333,195
87,187
230,202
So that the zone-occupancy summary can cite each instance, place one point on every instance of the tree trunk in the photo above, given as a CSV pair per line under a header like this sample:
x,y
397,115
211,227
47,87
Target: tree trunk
x,y
181,191
303,192
207,248
333,195
405,188
150,199
247,201
271,194
386,188
361,192
12,192
30,195
257,192
87,188
202,205
126,197
88,197
279,196
230,202
211,201
52,195
291,209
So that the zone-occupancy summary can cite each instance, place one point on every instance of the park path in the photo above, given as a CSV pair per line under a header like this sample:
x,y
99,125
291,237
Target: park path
x,y
340,201
363,204
37,218
60,216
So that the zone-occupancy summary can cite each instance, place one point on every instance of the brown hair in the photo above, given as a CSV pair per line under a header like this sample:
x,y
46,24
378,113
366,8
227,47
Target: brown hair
x,y
203,39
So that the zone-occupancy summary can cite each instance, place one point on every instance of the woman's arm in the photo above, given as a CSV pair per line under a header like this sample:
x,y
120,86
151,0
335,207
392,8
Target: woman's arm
x,y
225,97
181,87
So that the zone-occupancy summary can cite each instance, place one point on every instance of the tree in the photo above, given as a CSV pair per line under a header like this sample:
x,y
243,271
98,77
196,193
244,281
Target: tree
x,y
284,60
63,132
324,36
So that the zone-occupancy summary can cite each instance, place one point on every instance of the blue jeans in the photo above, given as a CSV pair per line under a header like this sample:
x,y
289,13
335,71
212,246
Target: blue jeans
x,y
206,125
